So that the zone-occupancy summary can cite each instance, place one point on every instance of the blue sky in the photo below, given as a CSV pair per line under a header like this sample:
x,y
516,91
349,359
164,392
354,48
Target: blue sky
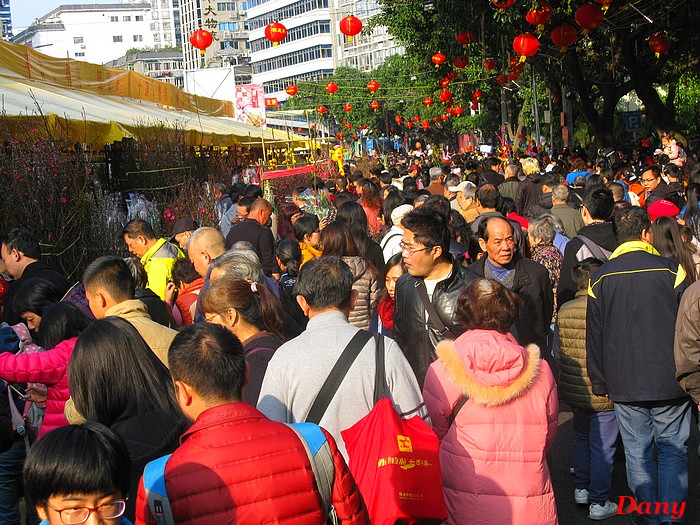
x,y
25,11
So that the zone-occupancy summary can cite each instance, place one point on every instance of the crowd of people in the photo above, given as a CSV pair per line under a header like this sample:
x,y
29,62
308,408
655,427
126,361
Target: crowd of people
x,y
497,289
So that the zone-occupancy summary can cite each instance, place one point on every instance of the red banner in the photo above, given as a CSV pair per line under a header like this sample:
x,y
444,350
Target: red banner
x,y
278,174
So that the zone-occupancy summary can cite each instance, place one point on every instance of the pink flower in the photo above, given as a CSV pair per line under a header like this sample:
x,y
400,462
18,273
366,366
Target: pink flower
x,y
64,200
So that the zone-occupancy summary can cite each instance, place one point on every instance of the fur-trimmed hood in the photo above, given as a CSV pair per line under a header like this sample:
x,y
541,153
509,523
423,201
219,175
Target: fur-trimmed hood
x,y
489,367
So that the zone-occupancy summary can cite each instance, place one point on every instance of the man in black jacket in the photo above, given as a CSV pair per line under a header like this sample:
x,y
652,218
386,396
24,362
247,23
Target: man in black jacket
x,y
253,229
632,306
433,279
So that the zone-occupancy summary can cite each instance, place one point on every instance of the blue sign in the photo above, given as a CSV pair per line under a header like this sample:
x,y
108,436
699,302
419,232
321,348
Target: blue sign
x,y
370,146
634,121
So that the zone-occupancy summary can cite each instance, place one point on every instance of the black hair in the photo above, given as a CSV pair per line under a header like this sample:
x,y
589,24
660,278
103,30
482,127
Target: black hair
x,y
289,252
392,201
60,321
246,202
429,228
305,225
506,206
483,232
74,460
488,195
253,190
209,358
599,202
325,283
183,272
112,274
630,223
35,295
355,218
114,375
138,272
438,204
385,177
582,270
138,227
24,241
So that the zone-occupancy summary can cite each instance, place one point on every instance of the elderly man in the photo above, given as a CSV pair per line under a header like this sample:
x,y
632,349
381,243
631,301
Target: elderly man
x,y
435,187
465,192
530,280
569,217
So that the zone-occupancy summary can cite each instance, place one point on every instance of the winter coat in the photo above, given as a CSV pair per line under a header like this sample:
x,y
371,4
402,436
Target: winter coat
x,y
494,469
50,368
686,349
574,384
366,283
249,470
158,262
416,336
529,191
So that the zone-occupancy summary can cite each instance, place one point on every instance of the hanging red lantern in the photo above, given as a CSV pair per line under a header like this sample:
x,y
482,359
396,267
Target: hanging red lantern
x,y
321,109
658,44
605,4
502,5
340,136
564,36
489,65
502,78
348,125
364,126
457,111
374,105
460,62
438,59
477,94
373,86
427,101
540,15
425,124
398,119
354,135
201,39
350,26
526,45
464,38
331,87
444,117
292,90
409,124
589,17
416,119
347,108
445,95
436,119
444,82
275,33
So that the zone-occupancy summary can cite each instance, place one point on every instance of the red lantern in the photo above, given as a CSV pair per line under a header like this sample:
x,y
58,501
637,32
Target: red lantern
x,y
364,126
348,125
502,5
502,78
416,119
457,111
515,74
658,44
428,101
275,33
201,39
331,87
425,124
292,90
374,105
540,16
589,16
475,106
444,117
321,109
564,36
445,95
354,135
444,82
605,4
489,65
398,119
340,136
436,119
477,94
465,38
347,108
438,59
409,125
350,26
526,45
460,62
372,86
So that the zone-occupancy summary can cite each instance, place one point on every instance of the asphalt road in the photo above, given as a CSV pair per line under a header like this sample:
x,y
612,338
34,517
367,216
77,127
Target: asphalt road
x,y
560,462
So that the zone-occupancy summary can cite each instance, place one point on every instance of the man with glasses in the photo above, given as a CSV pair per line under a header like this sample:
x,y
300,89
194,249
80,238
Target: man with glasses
x,y
656,188
433,282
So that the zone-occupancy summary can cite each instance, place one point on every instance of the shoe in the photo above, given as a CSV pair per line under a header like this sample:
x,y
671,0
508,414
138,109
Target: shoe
x,y
581,496
601,512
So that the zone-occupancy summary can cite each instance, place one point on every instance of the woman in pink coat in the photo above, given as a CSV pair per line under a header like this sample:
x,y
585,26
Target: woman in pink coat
x,y
60,326
492,454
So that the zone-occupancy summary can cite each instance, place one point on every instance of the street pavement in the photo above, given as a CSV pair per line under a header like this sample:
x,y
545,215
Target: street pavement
x,y
560,461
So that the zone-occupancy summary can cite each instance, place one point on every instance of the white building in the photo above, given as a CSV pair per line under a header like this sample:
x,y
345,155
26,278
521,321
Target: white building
x,y
94,33
165,21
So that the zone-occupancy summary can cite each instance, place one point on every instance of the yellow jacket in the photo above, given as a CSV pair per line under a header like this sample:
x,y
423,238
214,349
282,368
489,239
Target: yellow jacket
x,y
158,262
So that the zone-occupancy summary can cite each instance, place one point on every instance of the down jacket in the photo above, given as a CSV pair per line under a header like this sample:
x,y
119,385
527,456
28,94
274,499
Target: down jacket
x,y
574,383
49,367
494,469
249,470
366,283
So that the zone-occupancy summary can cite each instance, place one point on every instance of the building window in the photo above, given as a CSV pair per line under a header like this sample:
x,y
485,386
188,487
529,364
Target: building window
x,y
117,39
114,19
138,38
139,18
226,6
80,55
77,39
126,18
244,6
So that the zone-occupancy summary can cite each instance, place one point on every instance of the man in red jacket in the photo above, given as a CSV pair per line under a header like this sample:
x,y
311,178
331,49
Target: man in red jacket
x,y
234,465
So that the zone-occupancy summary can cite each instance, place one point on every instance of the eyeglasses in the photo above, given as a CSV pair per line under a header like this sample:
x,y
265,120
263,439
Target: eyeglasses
x,y
648,180
406,248
211,319
106,511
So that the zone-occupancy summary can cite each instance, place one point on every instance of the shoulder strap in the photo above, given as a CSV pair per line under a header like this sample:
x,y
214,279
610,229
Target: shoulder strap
x,y
594,248
386,239
156,492
458,406
432,314
380,386
335,378
18,422
319,453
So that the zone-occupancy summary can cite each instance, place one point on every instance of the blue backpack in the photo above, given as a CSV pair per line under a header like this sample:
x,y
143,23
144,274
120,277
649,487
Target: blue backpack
x,y
317,450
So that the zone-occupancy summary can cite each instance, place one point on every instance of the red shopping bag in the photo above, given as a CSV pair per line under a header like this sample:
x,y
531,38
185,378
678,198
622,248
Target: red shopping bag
x,y
396,466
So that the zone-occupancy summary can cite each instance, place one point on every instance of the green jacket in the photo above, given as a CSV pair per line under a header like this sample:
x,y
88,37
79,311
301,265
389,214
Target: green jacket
x,y
574,383
158,262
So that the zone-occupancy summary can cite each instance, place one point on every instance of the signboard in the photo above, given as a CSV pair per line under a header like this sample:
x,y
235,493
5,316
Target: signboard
x,y
249,104
634,121
271,103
